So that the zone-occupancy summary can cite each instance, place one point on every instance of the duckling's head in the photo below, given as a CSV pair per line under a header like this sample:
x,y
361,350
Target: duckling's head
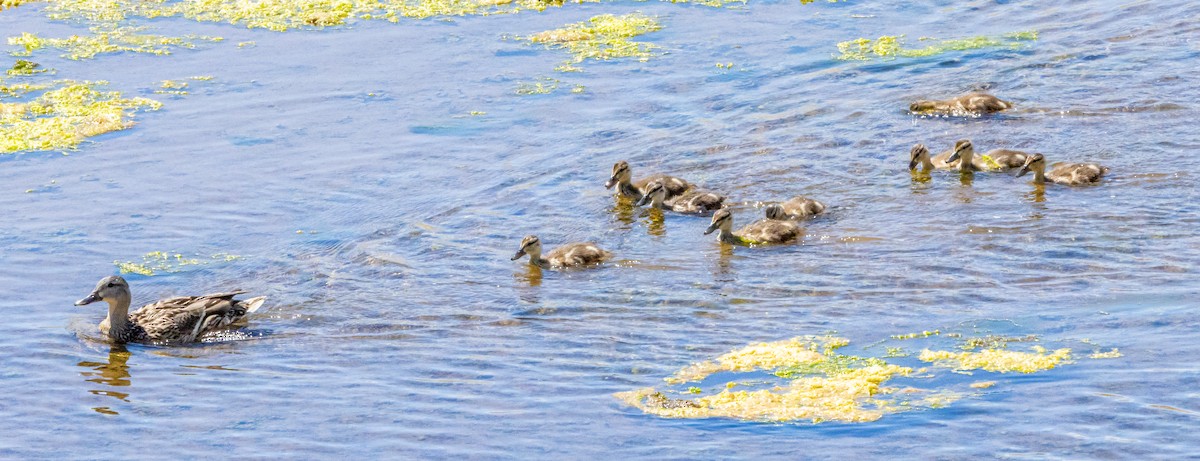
x,y
722,219
962,149
1035,162
654,191
775,211
922,106
918,153
111,289
529,245
620,173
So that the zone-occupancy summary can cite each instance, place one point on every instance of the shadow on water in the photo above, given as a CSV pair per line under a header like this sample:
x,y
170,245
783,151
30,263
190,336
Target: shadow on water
x,y
113,373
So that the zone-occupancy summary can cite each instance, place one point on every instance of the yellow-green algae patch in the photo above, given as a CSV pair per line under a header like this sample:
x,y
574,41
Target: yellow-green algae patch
x,y
802,350
845,397
602,37
157,262
891,46
5,4
24,68
101,40
544,85
1106,355
282,15
822,385
64,115
999,360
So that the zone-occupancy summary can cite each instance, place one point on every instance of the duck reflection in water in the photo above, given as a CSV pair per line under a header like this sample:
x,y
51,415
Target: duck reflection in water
x,y
532,275
113,374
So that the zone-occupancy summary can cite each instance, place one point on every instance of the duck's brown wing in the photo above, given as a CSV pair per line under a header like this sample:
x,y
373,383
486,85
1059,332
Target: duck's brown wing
x,y
1007,158
697,201
577,254
802,207
981,102
185,318
1076,173
674,186
770,231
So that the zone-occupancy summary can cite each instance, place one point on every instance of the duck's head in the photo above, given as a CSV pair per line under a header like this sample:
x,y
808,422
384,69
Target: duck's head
x,y
620,172
1035,162
529,245
917,155
775,211
654,191
922,106
962,149
111,289
722,219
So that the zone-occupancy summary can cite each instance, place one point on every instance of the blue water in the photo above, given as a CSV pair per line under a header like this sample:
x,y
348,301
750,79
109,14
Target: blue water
x,y
397,326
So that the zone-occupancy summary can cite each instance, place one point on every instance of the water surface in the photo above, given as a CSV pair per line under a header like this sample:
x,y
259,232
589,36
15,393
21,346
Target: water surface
x,y
398,326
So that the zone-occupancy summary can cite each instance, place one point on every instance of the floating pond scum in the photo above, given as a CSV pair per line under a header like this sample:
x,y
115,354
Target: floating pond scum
x,y
892,46
163,262
807,378
62,114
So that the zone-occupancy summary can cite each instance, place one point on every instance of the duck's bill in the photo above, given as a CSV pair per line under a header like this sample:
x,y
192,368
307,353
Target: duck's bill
x,y
517,256
88,300
953,157
912,164
642,201
711,228
1022,171
611,182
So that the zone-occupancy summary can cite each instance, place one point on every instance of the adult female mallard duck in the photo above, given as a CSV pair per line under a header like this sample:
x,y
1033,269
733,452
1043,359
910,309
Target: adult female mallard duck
x,y
569,255
692,201
1070,174
795,208
970,104
173,320
761,232
622,177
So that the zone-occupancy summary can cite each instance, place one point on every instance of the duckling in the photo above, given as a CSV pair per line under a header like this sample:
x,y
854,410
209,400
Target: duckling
x,y
963,157
569,255
173,320
1007,159
622,175
1070,174
919,155
693,201
763,231
795,208
967,104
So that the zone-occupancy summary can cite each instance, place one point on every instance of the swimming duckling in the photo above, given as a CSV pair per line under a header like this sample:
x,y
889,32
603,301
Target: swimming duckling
x,y
693,201
569,255
622,175
919,155
1007,159
967,104
964,158
763,231
173,320
1070,174
795,208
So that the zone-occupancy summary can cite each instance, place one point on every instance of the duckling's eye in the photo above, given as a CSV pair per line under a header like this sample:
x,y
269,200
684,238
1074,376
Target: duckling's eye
x,y
112,284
